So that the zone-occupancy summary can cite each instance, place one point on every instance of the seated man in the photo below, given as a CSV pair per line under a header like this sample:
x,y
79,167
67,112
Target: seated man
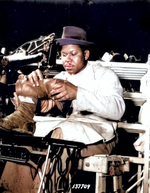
x,y
95,92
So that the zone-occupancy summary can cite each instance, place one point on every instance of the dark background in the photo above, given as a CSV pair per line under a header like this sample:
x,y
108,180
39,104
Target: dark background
x,y
122,26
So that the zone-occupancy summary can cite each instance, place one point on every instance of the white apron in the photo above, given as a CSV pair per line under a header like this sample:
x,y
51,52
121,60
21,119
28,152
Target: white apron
x,y
86,129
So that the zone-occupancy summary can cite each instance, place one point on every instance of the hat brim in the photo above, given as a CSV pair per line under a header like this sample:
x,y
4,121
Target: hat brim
x,y
67,41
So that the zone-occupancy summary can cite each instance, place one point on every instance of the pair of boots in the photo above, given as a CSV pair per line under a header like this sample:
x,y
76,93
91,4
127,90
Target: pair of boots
x,y
22,119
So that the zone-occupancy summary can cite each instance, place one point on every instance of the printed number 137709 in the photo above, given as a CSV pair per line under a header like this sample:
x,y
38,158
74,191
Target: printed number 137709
x,y
81,186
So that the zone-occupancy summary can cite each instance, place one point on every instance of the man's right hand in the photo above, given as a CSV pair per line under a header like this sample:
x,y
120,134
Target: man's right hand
x,y
35,76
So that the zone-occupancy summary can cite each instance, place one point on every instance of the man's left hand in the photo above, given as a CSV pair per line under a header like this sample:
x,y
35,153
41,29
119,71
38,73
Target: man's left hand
x,y
64,90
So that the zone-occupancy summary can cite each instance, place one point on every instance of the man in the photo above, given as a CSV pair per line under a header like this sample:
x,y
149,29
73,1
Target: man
x,y
96,97
95,92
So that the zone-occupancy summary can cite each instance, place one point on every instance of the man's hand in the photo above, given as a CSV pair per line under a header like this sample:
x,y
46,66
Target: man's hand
x,y
35,76
64,90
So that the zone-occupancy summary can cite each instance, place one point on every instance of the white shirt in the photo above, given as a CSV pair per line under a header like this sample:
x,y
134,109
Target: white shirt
x,y
99,91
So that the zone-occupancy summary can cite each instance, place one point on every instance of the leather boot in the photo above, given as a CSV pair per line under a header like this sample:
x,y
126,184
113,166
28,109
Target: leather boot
x,y
26,89
22,119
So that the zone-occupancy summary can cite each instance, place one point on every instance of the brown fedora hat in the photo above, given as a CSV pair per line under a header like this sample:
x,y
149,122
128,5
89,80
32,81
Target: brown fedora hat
x,y
73,35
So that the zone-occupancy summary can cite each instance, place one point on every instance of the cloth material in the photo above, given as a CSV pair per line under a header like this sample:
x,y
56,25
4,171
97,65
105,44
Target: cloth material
x,y
100,93
28,100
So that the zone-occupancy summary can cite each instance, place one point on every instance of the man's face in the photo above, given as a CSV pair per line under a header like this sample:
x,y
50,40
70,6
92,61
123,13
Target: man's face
x,y
73,59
